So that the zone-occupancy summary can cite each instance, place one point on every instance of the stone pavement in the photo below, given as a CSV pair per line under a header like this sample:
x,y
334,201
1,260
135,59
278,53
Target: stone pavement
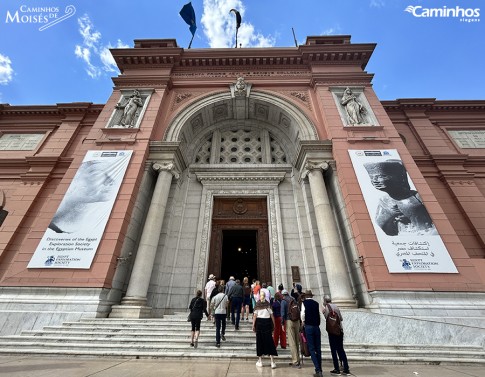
x,y
26,366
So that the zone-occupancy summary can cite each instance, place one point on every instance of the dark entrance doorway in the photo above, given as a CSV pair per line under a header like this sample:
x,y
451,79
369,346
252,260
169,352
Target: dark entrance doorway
x,y
239,254
239,223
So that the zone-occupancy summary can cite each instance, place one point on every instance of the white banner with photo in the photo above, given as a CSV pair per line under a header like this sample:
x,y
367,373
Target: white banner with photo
x,y
75,231
406,233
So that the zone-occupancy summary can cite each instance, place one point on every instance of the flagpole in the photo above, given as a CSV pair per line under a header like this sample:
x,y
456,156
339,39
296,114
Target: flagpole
x,y
191,39
236,37
294,38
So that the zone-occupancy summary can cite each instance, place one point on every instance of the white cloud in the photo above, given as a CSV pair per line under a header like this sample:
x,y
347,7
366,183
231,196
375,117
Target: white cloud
x,y
6,70
220,26
109,64
92,49
332,31
377,3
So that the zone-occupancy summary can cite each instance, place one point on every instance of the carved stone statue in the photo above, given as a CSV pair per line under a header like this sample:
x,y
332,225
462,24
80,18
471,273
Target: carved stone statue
x,y
130,108
240,86
354,108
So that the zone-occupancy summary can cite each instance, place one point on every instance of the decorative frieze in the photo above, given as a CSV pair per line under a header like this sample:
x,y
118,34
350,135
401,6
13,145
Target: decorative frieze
x,y
182,96
246,74
461,183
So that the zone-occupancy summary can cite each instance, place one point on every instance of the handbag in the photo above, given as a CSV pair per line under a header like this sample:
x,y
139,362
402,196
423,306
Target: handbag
x,y
304,345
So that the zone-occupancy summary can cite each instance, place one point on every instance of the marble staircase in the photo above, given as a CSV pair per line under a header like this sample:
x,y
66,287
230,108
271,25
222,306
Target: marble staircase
x,y
169,337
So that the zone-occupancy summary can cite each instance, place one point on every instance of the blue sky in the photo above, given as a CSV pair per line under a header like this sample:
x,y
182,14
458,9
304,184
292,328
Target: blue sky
x,y
69,61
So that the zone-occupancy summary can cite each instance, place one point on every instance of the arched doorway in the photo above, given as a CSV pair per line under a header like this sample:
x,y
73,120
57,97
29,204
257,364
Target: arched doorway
x,y
233,148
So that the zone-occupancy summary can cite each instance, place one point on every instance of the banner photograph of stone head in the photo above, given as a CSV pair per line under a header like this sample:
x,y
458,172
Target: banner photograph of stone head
x,y
74,233
405,230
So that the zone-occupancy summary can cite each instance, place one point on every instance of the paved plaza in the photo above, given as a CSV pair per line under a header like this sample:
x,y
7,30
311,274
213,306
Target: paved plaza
x,y
26,366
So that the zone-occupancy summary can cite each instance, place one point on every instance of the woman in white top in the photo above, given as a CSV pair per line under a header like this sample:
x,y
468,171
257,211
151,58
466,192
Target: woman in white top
x,y
263,325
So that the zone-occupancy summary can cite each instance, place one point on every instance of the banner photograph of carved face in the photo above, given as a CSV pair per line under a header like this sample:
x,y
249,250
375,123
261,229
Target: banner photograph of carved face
x,y
402,209
75,231
407,235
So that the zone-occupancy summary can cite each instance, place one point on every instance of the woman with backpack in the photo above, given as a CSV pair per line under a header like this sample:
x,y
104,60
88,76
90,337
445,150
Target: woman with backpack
x,y
198,306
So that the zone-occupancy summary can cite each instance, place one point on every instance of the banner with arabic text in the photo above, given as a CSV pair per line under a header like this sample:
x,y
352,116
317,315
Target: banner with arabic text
x,y
405,230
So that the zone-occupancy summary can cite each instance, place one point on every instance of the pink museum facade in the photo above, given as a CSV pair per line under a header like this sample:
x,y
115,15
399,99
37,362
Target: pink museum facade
x,y
273,144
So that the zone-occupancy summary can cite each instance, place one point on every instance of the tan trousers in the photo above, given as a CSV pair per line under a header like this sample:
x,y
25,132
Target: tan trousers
x,y
293,332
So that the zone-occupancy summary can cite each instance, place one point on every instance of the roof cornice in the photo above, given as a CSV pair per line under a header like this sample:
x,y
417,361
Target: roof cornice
x,y
60,109
322,50
432,104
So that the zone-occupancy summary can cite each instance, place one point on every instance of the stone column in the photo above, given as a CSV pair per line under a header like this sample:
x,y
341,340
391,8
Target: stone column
x,y
335,265
133,305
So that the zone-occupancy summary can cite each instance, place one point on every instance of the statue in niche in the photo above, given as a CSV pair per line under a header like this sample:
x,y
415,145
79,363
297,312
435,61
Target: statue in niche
x,y
354,108
130,109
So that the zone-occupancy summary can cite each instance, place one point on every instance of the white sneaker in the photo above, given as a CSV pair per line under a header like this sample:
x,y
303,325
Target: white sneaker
x,y
273,365
259,363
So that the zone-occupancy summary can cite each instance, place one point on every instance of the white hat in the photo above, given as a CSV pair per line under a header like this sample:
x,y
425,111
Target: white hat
x,y
211,277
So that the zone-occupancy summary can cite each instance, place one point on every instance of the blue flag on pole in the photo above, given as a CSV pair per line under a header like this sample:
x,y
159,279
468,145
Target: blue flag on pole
x,y
238,17
188,14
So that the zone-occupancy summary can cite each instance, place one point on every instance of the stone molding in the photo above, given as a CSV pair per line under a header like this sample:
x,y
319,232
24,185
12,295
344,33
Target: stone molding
x,y
274,232
245,183
316,51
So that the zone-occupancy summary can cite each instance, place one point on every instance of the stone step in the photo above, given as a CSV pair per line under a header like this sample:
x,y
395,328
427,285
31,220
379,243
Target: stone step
x,y
234,345
169,337
211,352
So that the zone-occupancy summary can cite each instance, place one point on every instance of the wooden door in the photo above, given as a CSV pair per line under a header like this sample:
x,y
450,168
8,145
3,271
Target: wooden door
x,y
240,214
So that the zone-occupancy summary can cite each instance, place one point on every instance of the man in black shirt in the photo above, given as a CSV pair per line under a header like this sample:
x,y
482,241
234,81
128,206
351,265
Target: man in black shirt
x,y
310,317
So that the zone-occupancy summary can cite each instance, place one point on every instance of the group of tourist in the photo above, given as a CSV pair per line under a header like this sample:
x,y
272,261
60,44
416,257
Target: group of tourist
x,y
277,316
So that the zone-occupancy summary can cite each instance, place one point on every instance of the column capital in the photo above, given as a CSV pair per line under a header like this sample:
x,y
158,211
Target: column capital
x,y
311,165
168,166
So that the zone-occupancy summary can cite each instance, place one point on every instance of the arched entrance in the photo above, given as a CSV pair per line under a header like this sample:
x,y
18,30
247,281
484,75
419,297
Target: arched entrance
x,y
239,239
237,158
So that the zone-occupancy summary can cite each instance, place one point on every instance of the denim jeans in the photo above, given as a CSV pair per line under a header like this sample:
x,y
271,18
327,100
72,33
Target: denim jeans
x,y
220,322
314,340
337,347
236,303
